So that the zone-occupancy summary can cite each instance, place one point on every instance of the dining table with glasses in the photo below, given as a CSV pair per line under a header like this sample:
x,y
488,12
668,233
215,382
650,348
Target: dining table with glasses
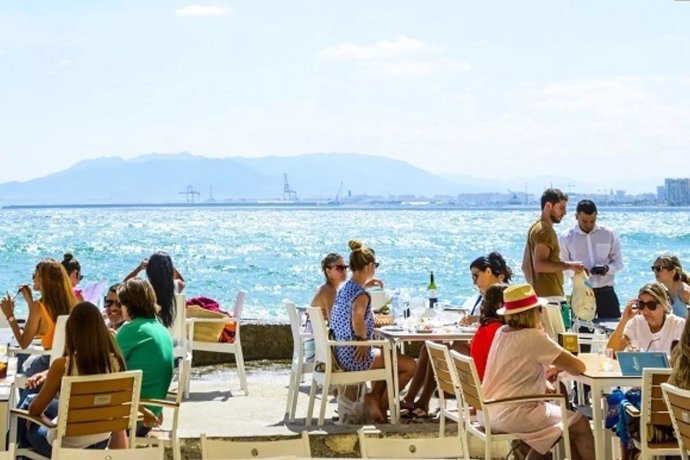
x,y
439,331
602,373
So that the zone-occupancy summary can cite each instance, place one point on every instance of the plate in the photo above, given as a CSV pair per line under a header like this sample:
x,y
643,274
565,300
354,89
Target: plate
x,y
424,331
467,328
392,328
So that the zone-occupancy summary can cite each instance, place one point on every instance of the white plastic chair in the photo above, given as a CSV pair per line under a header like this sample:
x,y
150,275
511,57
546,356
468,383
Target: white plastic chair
x,y
9,453
377,447
150,453
181,345
327,375
299,365
678,402
552,320
234,348
166,435
216,449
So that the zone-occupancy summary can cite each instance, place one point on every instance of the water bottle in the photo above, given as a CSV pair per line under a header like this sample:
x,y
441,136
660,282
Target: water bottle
x,y
598,340
396,304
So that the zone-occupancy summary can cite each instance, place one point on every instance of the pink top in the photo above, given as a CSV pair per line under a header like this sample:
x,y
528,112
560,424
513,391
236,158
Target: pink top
x,y
516,364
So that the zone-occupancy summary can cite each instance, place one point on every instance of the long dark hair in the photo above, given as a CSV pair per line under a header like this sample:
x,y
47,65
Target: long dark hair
x,y
496,263
90,352
160,273
493,300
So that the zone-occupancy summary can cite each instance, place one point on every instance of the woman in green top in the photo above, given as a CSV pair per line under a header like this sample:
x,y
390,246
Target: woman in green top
x,y
144,342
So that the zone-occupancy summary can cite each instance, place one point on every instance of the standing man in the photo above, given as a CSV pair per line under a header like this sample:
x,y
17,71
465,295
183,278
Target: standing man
x,y
541,262
600,251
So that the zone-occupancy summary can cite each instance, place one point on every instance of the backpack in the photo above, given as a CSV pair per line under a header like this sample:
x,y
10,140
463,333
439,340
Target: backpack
x,y
582,300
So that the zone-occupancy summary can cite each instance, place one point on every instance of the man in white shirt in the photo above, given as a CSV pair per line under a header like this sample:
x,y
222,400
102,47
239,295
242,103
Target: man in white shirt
x,y
600,251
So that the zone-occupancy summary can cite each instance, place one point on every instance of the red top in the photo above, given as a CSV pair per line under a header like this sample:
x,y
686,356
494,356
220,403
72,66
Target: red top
x,y
481,344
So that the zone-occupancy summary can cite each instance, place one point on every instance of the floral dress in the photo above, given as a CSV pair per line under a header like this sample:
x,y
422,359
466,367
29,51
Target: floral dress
x,y
341,324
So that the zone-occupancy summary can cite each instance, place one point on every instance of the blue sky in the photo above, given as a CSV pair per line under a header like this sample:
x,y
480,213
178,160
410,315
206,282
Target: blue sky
x,y
588,89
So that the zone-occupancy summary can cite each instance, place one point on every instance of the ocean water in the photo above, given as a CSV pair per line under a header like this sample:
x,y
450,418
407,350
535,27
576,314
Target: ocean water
x,y
275,253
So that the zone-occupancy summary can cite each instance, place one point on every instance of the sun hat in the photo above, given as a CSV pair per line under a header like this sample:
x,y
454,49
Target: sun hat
x,y
518,298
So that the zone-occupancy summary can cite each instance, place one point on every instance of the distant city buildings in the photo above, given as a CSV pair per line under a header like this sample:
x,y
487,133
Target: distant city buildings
x,y
674,192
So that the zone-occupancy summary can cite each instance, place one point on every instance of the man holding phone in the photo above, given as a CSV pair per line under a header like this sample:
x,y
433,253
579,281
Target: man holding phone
x,y
600,251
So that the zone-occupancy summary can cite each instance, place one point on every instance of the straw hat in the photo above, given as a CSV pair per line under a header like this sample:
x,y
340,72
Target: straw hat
x,y
518,298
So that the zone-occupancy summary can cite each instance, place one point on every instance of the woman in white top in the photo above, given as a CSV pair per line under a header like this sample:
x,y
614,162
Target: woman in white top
x,y
647,323
521,358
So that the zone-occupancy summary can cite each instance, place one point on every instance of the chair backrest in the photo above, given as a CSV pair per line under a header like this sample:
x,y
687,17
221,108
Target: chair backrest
x,y
468,380
653,408
678,402
376,447
101,403
322,353
444,371
59,338
239,303
212,449
9,454
295,323
178,329
156,452
552,319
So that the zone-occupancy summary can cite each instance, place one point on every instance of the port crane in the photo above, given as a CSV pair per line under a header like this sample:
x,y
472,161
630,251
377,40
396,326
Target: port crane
x,y
288,193
190,194
339,194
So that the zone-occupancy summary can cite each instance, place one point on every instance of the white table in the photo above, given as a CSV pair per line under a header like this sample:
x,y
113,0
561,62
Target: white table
x,y
6,400
396,337
601,381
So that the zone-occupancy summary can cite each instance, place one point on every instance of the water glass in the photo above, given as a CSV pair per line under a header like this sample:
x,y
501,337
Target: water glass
x,y
606,359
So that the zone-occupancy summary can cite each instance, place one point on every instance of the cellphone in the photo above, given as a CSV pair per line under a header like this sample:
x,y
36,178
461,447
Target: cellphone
x,y
598,269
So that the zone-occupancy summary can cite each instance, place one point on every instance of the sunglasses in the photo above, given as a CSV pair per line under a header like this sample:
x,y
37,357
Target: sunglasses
x,y
376,264
80,277
110,303
651,305
340,268
475,276
657,268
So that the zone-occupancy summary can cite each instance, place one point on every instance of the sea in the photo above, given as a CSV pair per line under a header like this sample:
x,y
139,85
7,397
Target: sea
x,y
275,253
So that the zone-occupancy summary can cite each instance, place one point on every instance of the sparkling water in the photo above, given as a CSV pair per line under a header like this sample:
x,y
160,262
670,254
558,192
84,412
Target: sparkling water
x,y
274,254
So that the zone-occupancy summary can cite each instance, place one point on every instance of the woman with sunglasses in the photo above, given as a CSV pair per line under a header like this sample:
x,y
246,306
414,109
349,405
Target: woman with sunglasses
x,y
647,323
487,271
335,271
352,319
113,309
669,272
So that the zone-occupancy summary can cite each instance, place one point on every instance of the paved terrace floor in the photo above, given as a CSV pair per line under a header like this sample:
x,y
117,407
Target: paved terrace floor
x,y
219,408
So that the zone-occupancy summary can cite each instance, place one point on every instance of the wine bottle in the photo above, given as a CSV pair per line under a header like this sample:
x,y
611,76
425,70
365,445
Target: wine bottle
x,y
431,291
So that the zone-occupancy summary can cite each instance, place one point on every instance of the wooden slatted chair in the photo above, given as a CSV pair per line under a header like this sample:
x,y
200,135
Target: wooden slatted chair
x,y
166,435
377,447
88,404
217,449
326,374
446,382
473,396
299,365
149,453
653,411
234,348
678,402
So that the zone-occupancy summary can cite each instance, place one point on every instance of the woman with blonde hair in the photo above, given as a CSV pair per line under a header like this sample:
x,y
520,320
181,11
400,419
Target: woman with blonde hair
x,y
669,272
334,270
519,358
353,320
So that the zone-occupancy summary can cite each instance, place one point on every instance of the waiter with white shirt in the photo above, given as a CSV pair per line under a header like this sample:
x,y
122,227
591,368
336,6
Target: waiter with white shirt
x,y
600,251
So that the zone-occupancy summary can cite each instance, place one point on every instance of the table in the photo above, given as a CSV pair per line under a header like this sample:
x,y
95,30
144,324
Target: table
x,y
397,336
6,400
600,381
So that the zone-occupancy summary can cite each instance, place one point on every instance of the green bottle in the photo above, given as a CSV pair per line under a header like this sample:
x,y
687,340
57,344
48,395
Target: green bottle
x,y
431,291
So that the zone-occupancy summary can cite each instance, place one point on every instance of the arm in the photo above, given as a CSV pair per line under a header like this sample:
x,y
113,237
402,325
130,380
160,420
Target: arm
x,y
50,388
619,341
684,294
137,270
179,281
615,262
374,282
359,327
569,363
31,327
542,264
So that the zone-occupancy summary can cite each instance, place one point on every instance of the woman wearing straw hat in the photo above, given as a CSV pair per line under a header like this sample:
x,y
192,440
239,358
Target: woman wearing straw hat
x,y
521,359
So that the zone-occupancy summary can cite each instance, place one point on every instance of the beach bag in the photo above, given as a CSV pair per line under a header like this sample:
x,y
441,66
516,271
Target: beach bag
x,y
582,300
204,307
351,407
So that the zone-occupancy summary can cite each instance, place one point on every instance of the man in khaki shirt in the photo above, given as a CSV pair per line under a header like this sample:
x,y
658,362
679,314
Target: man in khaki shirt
x,y
541,262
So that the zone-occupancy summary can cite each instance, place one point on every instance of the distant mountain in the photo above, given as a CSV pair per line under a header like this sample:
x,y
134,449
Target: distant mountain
x,y
162,178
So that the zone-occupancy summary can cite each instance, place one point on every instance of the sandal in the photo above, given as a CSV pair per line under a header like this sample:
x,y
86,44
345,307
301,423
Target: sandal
x,y
418,412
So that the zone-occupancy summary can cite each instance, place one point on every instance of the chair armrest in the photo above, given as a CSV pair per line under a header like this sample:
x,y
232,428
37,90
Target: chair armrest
x,y
632,411
212,320
158,403
525,399
358,343
22,413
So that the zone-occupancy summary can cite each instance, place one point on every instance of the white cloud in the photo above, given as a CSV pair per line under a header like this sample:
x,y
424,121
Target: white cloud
x,y
202,10
384,49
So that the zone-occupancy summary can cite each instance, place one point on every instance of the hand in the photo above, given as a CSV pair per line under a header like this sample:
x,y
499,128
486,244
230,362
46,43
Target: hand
x,y
361,353
374,282
150,419
7,306
630,310
36,380
468,320
143,264
577,267
551,373
26,293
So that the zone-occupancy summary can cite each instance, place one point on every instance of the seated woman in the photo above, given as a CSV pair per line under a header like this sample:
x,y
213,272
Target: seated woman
x,y
85,354
166,282
489,322
517,365
145,343
335,271
57,298
352,319
73,269
113,310
486,271
647,323
669,272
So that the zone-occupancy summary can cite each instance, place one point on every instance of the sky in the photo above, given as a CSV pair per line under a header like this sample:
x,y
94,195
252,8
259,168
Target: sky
x,y
594,90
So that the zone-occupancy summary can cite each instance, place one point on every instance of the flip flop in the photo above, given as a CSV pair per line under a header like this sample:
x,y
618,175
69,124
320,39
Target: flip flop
x,y
418,412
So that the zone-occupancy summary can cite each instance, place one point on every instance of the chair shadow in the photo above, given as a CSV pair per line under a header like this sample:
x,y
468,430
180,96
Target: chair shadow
x,y
208,396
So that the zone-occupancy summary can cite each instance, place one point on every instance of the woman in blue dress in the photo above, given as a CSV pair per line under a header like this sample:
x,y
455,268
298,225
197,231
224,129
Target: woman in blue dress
x,y
352,319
